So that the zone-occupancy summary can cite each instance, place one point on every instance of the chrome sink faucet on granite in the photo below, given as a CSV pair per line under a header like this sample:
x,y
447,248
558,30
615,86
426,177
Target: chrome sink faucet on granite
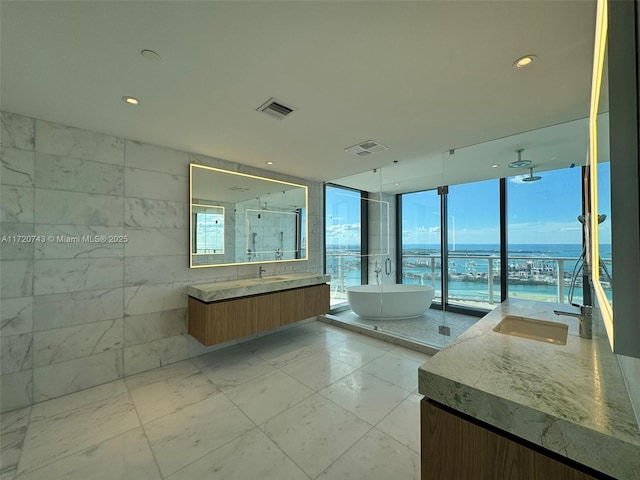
x,y
585,316
261,272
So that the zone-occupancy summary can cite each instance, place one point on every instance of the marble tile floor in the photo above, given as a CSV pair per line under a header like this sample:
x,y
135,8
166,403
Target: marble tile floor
x,y
423,329
312,402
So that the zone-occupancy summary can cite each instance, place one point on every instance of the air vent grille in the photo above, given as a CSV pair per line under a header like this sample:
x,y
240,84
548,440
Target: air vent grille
x,y
366,148
275,108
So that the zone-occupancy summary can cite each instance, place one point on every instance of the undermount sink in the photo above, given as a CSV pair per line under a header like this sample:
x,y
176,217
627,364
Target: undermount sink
x,y
274,279
539,330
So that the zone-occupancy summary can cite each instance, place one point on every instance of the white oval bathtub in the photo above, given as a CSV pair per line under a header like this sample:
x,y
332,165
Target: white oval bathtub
x,y
389,302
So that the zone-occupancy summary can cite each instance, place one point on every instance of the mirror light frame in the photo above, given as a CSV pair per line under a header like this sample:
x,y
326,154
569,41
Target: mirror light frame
x,y
255,177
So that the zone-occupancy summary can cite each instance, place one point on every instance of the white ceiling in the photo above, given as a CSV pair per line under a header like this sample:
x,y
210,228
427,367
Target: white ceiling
x,y
419,77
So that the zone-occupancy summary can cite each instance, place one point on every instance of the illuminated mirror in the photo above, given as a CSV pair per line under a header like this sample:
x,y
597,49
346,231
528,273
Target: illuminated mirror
x,y
237,218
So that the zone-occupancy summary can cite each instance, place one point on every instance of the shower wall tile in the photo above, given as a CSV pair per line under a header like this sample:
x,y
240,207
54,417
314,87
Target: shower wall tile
x,y
16,204
16,167
79,241
76,308
139,358
16,353
17,131
62,173
16,316
159,159
155,298
77,143
61,344
72,275
155,326
17,243
154,185
156,241
140,212
16,390
16,279
59,379
156,269
74,208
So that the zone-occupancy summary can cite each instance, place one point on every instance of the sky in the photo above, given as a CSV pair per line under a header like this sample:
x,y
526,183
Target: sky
x,y
542,212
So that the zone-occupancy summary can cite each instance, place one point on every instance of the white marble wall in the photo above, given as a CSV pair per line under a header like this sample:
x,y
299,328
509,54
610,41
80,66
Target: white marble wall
x,y
382,237
77,314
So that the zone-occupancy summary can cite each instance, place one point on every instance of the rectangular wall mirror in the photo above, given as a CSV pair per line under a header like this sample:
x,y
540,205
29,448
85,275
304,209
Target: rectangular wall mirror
x,y
237,218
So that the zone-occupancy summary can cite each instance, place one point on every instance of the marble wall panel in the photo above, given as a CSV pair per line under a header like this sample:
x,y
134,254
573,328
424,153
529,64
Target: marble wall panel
x,y
16,204
72,275
159,159
154,298
59,379
17,131
154,326
60,207
17,167
61,344
154,354
17,242
16,316
74,142
76,308
62,173
156,241
16,353
140,212
156,269
16,279
16,390
154,185
79,241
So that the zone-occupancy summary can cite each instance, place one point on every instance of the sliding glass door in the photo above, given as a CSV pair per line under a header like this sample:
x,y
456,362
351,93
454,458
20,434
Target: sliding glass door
x,y
473,246
343,241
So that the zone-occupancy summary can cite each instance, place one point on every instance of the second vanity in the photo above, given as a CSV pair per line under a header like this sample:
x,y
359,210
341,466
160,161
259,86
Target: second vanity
x,y
499,406
223,311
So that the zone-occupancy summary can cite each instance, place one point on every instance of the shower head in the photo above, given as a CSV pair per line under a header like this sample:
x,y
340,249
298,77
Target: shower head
x,y
601,218
532,177
520,163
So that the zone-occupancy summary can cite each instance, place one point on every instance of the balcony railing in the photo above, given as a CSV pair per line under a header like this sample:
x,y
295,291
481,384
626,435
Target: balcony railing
x,y
470,281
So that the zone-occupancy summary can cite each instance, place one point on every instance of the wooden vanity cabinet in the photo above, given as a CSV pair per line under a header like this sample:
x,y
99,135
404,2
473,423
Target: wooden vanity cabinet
x,y
456,448
224,320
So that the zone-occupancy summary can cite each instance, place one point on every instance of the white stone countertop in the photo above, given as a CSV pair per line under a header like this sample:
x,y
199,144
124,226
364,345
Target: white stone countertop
x,y
570,399
212,292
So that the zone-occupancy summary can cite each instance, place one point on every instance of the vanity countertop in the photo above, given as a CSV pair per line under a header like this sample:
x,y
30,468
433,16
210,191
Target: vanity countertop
x,y
570,399
212,292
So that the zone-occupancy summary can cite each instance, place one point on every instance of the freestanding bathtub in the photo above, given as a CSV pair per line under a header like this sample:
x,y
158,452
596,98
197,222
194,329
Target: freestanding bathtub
x,y
389,302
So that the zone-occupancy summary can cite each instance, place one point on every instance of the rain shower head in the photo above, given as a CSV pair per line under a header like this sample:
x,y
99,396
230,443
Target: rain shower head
x,y
520,163
532,177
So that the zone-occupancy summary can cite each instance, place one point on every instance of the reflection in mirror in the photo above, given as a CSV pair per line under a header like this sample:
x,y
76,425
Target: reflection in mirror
x,y
208,235
238,218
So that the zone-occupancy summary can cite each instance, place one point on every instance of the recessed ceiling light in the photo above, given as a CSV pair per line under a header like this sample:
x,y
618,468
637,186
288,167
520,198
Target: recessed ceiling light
x,y
150,54
524,61
495,165
131,100
269,162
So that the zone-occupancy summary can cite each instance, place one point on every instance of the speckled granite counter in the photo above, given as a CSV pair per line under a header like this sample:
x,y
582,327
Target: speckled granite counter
x,y
211,292
570,399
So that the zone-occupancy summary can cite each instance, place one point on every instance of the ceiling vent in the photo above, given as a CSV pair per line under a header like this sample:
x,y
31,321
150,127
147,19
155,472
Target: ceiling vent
x,y
366,148
275,108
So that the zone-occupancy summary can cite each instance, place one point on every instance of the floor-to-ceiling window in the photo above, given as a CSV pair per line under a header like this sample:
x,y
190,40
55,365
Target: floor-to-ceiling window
x,y
473,228
420,240
545,235
343,240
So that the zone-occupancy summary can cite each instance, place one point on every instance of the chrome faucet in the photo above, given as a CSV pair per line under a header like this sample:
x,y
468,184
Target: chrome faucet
x,y
261,272
585,316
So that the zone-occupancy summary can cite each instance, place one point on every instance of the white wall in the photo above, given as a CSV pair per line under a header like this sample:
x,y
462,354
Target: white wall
x,y
75,315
